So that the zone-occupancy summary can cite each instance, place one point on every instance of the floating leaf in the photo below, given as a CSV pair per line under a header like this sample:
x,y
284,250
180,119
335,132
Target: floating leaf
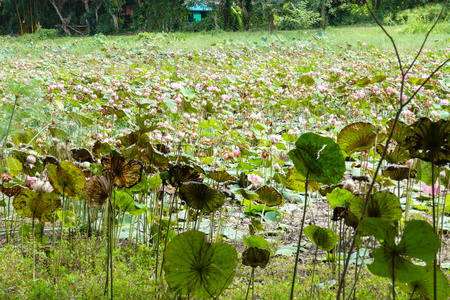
x,y
197,268
384,205
254,257
125,172
324,238
200,196
429,140
30,204
269,196
394,260
319,157
67,179
357,137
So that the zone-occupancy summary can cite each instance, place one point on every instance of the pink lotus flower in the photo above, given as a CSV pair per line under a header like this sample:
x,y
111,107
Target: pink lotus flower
x,y
29,180
255,179
237,152
427,190
275,138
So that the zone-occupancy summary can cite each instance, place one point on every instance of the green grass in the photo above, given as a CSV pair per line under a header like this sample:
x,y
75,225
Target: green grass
x,y
83,276
335,39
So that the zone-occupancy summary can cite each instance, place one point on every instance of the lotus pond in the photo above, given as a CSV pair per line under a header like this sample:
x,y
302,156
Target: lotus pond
x,y
273,169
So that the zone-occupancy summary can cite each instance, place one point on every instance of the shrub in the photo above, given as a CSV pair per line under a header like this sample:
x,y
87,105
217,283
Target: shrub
x,y
297,17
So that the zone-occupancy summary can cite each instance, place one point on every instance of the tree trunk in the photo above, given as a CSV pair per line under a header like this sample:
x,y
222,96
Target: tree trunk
x,y
323,15
374,5
270,21
64,21
116,21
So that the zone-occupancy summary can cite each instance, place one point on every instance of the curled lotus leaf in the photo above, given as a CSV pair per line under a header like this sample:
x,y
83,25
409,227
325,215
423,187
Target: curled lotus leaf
x,y
125,172
269,196
220,176
400,131
202,197
256,257
41,206
357,137
429,140
82,154
296,181
399,172
97,189
197,268
180,174
394,154
67,179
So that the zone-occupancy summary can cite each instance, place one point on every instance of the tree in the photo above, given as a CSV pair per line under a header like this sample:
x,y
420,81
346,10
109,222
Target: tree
x,y
114,7
65,21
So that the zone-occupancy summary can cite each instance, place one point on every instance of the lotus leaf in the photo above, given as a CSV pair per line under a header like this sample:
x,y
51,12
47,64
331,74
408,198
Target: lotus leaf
x,y
269,196
67,179
30,204
195,267
255,257
384,205
200,196
324,238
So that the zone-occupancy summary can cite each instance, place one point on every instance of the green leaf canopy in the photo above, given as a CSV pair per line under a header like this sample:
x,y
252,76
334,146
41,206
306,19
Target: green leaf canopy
x,y
319,157
195,267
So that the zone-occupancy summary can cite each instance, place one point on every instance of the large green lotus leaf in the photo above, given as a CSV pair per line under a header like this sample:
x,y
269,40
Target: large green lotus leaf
x,y
14,165
357,137
395,154
398,172
247,194
384,205
67,179
126,203
425,285
220,176
429,140
338,197
200,196
324,238
296,181
256,241
66,217
319,157
195,267
400,131
30,204
183,173
269,196
419,241
255,257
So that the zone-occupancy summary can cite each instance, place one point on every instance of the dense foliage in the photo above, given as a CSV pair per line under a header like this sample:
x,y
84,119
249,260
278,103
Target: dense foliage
x,y
18,17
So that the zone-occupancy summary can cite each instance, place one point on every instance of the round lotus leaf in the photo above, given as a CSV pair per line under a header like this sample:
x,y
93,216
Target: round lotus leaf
x,y
398,172
338,197
30,204
324,238
319,157
220,176
200,196
125,172
195,267
269,196
384,205
425,285
254,257
296,181
391,260
154,157
66,217
67,179
357,137
429,140
256,241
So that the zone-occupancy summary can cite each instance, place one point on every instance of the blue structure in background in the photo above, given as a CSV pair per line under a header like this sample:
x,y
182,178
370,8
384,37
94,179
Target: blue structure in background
x,y
199,11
